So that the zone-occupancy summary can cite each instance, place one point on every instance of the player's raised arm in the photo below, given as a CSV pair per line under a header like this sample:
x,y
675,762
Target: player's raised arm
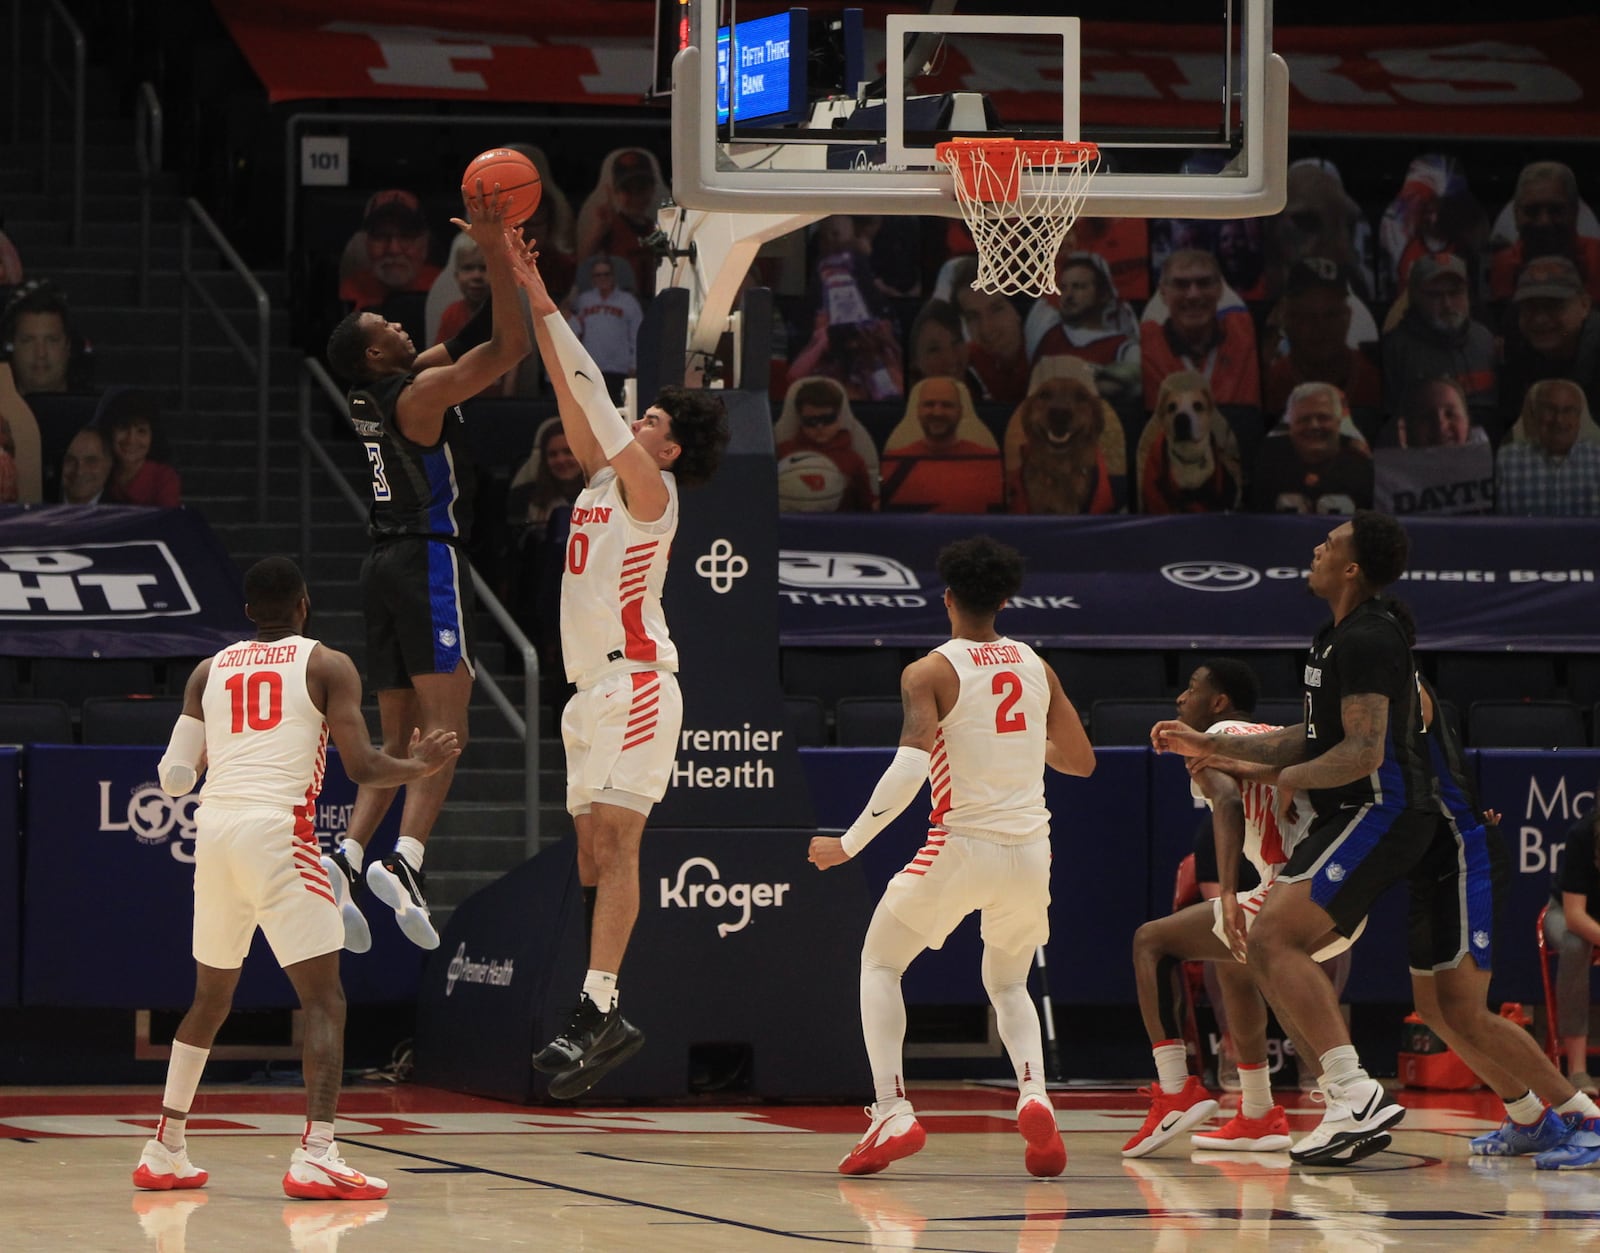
x,y
332,675
1067,746
421,407
595,431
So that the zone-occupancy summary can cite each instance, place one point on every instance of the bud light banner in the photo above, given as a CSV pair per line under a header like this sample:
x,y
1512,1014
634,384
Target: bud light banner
x,y
735,764
10,877
108,900
1540,795
1205,580
115,581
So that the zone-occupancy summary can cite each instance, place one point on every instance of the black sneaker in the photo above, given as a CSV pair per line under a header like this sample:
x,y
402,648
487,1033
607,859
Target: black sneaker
x,y
592,1045
399,887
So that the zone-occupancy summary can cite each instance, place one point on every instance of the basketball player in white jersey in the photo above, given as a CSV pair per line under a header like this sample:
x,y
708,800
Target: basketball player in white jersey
x,y
1219,699
984,715
621,727
256,719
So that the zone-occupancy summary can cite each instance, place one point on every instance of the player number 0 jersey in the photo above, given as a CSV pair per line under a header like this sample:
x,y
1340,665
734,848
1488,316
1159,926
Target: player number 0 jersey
x,y
611,584
266,743
987,768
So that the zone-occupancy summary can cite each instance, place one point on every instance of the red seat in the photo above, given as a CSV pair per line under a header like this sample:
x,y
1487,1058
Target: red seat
x,y
1186,892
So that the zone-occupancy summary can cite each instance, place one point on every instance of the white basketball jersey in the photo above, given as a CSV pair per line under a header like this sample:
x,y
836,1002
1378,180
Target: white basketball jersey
x,y
266,743
1265,845
611,585
987,768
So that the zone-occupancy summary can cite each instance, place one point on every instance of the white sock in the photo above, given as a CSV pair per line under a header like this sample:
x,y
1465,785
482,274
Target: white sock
x,y
1255,1094
600,986
318,1138
183,1078
1172,1065
1579,1104
1005,978
170,1133
410,850
1342,1066
1526,1109
353,853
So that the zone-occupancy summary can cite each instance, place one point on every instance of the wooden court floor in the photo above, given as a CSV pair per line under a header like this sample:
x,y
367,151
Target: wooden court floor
x,y
468,1174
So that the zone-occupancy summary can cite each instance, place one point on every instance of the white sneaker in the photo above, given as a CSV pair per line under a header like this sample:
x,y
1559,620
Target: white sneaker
x,y
357,935
1354,1116
326,1177
161,1169
892,1135
398,886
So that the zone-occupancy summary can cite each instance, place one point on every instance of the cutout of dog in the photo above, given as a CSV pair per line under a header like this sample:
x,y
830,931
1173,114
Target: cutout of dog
x,y
1188,458
1064,445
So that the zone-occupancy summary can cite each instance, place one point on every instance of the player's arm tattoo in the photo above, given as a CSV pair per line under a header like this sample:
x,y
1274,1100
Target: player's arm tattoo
x,y
1283,747
919,708
1358,754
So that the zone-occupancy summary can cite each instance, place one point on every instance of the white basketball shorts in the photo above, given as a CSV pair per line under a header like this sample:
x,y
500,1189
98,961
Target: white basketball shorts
x,y
621,737
952,875
252,868
1251,902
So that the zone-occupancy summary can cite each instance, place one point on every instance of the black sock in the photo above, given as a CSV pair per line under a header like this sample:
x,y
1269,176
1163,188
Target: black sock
x,y
588,914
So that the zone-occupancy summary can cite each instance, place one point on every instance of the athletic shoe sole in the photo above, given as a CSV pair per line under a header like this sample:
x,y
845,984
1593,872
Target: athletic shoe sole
x,y
1247,1144
300,1191
147,1180
357,935
1047,1155
1191,1117
414,922
1343,1148
873,1159
584,1073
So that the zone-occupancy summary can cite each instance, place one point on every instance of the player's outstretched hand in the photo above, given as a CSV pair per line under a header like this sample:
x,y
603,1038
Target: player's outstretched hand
x,y
1172,736
486,212
434,749
827,850
1492,817
525,269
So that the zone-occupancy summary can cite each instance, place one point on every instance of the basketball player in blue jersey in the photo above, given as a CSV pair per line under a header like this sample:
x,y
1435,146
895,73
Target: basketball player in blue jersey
x,y
416,585
1360,757
1453,894
620,729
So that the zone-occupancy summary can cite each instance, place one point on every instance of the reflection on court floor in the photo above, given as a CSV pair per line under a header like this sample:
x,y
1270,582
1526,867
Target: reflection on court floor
x,y
469,1173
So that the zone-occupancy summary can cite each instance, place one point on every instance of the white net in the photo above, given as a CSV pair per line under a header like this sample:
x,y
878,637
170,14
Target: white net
x,y
1019,200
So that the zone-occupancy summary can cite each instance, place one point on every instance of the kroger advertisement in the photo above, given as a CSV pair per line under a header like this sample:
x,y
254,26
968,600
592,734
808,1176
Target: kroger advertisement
x,y
1213,580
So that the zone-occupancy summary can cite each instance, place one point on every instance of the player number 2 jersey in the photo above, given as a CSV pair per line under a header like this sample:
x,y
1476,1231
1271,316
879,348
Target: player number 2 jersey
x,y
266,743
616,567
987,768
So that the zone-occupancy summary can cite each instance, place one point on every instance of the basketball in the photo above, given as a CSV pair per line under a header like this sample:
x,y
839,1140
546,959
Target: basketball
x,y
809,482
518,179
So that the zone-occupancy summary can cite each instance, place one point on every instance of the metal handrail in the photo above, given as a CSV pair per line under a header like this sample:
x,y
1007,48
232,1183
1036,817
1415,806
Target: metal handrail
x,y
527,727
75,93
260,360
148,142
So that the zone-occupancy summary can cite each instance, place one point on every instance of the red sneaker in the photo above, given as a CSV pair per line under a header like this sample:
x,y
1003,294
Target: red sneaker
x,y
1046,1156
162,1170
890,1137
1171,1114
1267,1134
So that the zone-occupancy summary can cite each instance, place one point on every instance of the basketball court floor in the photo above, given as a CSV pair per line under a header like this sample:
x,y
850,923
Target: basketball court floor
x,y
473,1174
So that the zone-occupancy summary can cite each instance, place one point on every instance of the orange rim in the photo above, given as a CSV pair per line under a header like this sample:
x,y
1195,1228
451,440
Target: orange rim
x,y
990,167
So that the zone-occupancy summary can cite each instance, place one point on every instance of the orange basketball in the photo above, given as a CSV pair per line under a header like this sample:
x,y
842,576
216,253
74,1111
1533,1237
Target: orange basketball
x,y
518,179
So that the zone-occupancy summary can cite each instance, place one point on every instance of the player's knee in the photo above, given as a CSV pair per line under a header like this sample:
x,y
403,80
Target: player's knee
x,y
325,1007
1147,941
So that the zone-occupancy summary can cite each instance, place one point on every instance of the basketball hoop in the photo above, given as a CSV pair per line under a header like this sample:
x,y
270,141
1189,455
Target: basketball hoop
x,y
1020,198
